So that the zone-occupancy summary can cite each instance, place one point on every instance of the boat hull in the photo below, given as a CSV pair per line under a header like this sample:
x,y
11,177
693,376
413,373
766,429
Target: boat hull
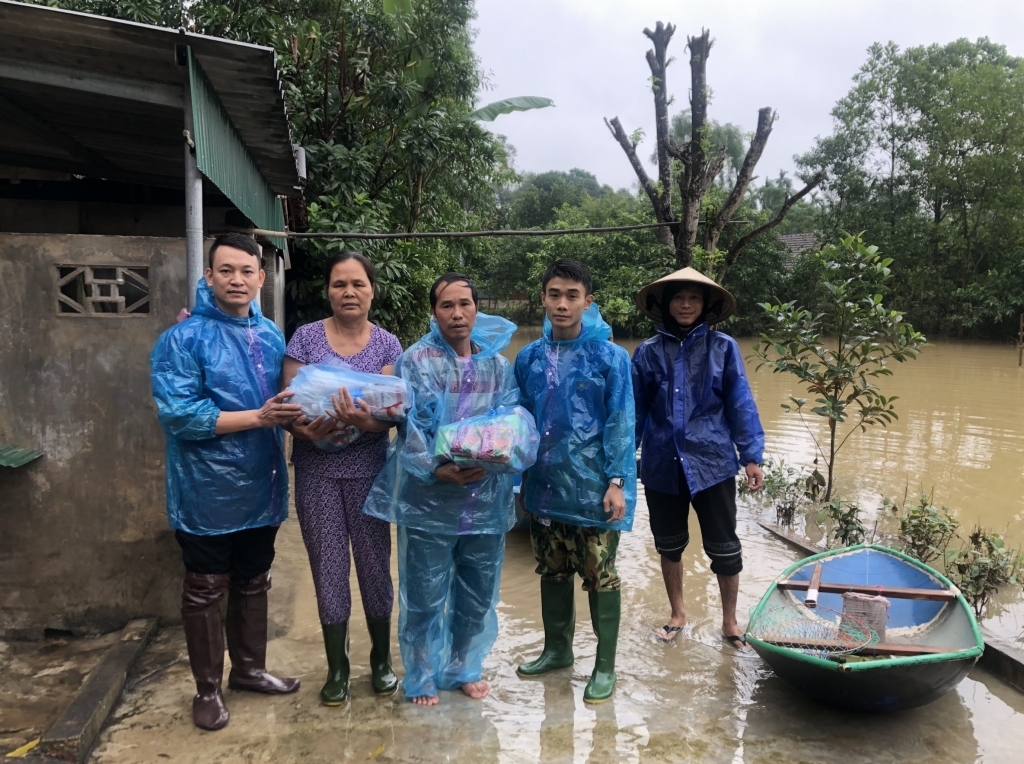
x,y
886,682
882,688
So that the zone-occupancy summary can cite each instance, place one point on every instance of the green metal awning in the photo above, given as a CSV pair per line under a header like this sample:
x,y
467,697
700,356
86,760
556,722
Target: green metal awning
x,y
224,159
13,456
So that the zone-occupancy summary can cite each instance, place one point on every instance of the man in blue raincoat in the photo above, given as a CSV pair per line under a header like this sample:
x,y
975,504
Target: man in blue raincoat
x,y
215,378
694,414
581,493
451,521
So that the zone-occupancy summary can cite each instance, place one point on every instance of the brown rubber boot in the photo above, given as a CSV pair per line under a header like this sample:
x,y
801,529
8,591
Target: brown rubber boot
x,y
200,613
247,639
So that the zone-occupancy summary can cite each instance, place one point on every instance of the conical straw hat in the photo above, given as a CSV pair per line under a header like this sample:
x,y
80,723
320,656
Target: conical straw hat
x,y
722,303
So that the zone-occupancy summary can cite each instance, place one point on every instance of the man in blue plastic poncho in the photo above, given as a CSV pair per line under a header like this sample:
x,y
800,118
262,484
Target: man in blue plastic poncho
x,y
581,493
215,379
451,521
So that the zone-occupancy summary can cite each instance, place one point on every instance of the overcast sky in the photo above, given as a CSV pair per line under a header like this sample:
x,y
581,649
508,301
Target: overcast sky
x,y
797,56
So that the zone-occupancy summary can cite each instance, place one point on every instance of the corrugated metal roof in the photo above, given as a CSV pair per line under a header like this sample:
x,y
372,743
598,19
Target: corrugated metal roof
x,y
12,456
223,158
103,97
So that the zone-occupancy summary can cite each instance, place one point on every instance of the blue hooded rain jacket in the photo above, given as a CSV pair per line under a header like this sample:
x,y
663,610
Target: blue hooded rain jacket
x,y
580,393
209,363
693,407
447,388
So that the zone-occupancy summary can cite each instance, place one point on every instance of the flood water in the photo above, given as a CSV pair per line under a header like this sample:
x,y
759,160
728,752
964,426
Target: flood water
x,y
695,700
959,438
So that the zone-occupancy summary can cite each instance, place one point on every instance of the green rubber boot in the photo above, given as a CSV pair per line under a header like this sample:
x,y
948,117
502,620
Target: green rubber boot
x,y
335,690
605,608
383,676
558,610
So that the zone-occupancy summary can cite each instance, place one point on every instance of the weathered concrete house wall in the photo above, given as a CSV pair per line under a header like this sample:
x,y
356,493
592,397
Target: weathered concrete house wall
x,y
83,530
121,155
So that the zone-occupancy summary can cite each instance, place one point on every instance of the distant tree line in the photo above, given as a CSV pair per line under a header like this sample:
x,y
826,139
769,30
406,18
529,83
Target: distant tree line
x,y
926,159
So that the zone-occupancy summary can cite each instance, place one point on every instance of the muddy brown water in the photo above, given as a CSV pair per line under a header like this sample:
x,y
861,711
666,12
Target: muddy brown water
x,y
695,700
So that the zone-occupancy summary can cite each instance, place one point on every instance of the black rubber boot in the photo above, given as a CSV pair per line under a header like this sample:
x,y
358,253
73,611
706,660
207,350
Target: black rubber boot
x,y
335,690
605,609
247,639
384,680
558,609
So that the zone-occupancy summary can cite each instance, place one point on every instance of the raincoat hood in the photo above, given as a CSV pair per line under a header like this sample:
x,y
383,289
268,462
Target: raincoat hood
x,y
490,335
580,394
721,303
594,327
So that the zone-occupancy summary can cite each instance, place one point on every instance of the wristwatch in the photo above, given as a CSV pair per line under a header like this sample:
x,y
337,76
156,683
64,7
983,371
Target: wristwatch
x,y
620,482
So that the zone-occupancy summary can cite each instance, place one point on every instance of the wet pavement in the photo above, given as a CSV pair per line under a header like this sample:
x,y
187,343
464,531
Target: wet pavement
x,y
693,700
38,680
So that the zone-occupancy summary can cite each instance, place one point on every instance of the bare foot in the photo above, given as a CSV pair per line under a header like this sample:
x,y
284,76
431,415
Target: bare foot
x,y
476,690
426,700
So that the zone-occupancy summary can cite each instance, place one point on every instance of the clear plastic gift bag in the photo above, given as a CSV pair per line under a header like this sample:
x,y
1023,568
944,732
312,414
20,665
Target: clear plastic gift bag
x,y
502,440
388,397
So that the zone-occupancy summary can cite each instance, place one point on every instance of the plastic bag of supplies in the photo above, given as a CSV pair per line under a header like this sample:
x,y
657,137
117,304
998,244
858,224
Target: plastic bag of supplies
x,y
502,440
388,398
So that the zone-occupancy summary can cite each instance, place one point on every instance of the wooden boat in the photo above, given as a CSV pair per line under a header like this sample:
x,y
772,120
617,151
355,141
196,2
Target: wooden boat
x,y
931,637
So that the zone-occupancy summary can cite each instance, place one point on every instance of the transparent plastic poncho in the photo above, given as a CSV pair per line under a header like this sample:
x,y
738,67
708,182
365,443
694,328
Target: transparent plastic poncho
x,y
581,395
502,440
209,363
445,389
447,624
388,397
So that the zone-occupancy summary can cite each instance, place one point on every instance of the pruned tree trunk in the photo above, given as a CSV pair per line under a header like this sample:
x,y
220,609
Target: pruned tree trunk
x,y
698,172
699,162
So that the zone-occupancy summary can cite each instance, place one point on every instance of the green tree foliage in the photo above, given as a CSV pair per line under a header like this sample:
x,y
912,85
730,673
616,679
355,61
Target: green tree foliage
x,y
926,157
839,354
728,135
380,96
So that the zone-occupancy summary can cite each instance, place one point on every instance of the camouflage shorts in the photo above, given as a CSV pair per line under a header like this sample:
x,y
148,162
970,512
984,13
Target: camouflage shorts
x,y
562,550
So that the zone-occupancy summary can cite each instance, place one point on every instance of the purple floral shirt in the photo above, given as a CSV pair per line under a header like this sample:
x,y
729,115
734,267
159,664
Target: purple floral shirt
x,y
365,457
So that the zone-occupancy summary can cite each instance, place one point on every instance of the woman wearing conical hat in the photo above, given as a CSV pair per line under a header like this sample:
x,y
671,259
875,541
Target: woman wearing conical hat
x,y
698,425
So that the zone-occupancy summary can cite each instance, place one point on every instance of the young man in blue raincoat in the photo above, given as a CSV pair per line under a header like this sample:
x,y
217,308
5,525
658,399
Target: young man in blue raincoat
x,y
451,521
215,378
581,493
694,413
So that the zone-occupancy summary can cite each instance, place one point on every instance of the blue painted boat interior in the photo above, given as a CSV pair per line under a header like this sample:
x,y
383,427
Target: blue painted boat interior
x,y
874,568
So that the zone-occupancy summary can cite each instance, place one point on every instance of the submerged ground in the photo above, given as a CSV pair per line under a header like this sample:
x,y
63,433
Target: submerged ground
x,y
696,700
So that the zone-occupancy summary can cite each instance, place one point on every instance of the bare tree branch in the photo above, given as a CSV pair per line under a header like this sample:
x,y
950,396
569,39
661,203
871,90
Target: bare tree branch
x,y
649,186
657,61
743,241
765,119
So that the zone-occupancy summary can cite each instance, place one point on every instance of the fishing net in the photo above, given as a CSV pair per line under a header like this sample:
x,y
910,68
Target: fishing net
x,y
821,632
867,609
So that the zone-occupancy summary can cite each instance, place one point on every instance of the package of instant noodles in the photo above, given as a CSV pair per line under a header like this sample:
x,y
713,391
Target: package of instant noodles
x,y
502,440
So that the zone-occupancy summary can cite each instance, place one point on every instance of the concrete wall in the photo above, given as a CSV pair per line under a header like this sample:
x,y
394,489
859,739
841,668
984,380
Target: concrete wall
x,y
84,541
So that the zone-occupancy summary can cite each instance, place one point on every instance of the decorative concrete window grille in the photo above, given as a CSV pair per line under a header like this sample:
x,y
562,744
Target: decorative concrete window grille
x,y
102,290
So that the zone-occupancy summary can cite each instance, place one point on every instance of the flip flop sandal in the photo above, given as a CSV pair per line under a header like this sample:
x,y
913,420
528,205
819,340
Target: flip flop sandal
x,y
738,641
668,633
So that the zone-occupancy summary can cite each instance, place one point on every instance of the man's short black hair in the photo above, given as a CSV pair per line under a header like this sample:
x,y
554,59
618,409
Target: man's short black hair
x,y
237,241
453,278
570,269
